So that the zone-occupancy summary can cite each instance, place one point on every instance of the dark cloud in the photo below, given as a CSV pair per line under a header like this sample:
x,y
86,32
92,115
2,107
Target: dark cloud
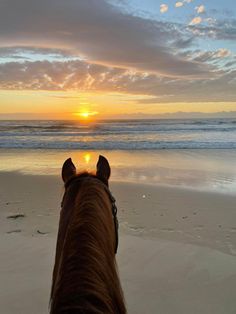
x,y
110,50
207,56
100,33
33,54
182,43
231,63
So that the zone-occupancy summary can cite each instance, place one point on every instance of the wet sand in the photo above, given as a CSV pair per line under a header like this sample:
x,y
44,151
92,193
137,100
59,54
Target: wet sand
x,y
177,251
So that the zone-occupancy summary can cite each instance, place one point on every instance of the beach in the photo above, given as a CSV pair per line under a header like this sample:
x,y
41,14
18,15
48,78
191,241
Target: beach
x,y
137,94
177,250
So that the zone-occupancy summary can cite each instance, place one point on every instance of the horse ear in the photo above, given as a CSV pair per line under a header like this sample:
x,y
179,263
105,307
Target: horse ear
x,y
68,170
103,169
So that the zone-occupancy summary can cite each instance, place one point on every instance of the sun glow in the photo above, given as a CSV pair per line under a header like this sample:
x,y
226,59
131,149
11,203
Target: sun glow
x,y
87,157
86,114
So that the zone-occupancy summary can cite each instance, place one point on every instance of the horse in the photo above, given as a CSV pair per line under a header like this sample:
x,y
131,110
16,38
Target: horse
x,y
85,276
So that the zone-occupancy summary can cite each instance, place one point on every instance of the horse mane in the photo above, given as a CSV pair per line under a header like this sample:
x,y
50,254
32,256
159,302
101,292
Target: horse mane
x,y
85,278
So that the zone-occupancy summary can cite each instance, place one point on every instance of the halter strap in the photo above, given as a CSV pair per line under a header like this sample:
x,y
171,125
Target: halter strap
x,y
111,198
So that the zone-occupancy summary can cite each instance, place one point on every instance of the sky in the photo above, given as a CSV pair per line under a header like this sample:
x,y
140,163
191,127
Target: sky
x,y
64,59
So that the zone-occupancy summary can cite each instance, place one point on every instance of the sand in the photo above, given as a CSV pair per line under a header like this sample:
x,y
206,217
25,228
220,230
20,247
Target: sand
x,y
177,251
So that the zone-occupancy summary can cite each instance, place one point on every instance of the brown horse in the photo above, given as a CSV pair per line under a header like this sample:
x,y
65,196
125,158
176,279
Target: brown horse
x,y
85,278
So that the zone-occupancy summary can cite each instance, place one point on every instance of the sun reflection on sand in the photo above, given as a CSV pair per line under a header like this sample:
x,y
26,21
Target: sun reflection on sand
x,y
87,158
201,169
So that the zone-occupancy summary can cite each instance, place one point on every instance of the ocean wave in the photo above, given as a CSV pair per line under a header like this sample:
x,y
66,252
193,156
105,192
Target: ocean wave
x,y
124,135
121,131
121,145
25,128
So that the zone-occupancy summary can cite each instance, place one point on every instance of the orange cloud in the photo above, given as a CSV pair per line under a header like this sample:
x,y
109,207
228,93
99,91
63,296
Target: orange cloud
x,y
163,8
196,20
200,9
179,4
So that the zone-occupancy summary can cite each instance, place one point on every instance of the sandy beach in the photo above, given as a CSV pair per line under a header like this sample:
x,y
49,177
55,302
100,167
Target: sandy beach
x,y
177,251
150,86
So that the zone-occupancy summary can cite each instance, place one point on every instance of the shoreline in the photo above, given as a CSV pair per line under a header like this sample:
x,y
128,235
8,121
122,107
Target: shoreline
x,y
205,170
115,182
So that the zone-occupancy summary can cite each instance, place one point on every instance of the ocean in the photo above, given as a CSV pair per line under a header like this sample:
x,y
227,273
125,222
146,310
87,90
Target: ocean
x,y
199,153
119,134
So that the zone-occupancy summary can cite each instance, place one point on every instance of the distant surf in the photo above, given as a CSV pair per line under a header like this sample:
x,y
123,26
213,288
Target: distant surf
x,y
120,134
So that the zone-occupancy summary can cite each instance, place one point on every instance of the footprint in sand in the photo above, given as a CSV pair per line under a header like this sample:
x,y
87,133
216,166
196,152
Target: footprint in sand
x,y
13,231
16,216
233,229
42,232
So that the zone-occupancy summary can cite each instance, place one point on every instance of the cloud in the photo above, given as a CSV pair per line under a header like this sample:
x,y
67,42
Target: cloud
x,y
163,8
211,21
224,29
208,56
68,75
200,9
97,32
222,53
32,54
188,1
86,77
196,20
179,4
182,43
8,51
231,63
111,51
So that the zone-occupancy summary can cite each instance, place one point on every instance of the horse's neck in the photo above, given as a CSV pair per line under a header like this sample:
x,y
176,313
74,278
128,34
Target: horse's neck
x,y
88,278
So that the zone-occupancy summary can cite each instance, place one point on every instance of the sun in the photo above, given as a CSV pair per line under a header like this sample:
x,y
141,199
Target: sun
x,y
86,115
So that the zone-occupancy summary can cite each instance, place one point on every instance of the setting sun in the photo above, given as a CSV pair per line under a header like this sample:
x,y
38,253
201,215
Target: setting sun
x,y
86,114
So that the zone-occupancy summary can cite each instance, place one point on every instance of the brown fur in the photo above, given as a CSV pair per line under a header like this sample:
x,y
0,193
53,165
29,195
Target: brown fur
x,y
85,278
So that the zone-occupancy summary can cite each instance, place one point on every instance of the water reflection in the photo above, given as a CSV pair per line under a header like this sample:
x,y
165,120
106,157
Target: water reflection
x,y
87,157
213,170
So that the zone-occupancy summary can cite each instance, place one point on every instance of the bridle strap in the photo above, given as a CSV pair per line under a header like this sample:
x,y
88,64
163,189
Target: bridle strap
x,y
111,198
114,214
